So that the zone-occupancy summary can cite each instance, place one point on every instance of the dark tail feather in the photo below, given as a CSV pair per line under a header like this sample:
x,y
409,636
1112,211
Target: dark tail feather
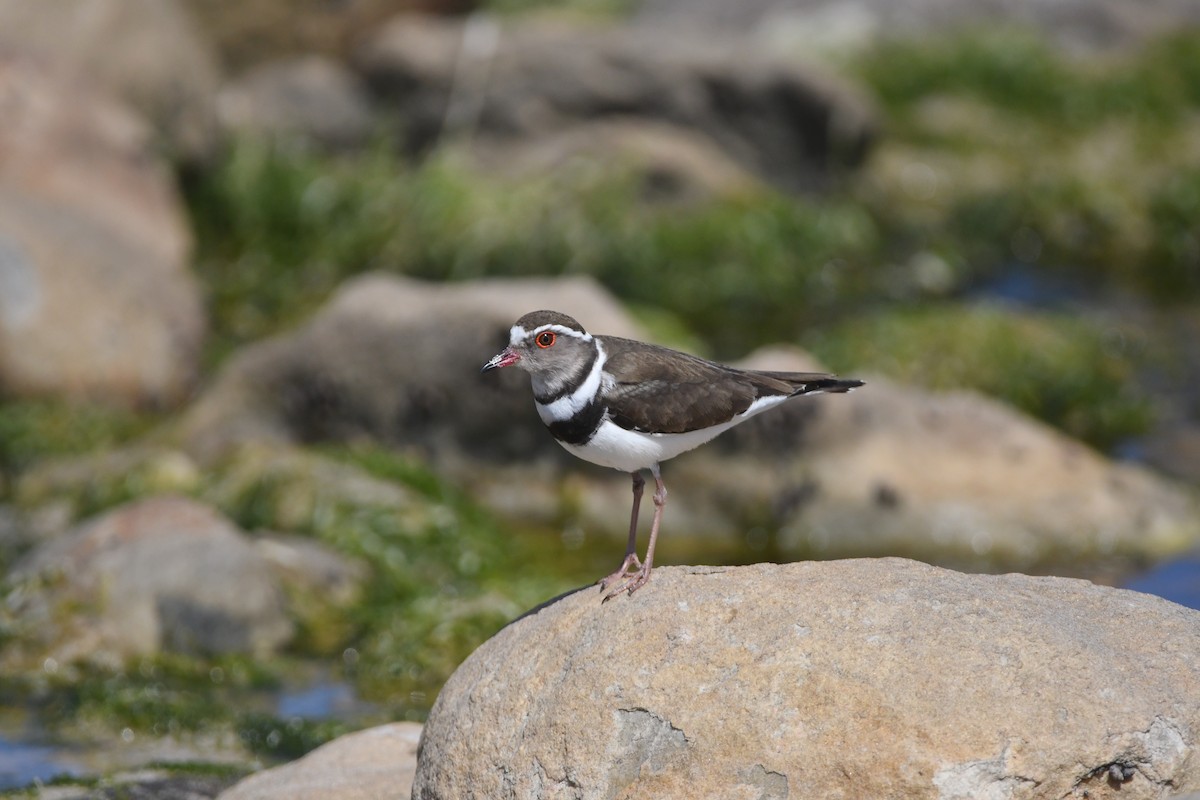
x,y
814,382
829,385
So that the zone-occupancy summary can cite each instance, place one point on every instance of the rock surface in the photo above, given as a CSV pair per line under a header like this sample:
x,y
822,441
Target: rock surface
x,y
866,678
164,573
970,476
149,53
789,124
96,300
249,32
310,100
373,764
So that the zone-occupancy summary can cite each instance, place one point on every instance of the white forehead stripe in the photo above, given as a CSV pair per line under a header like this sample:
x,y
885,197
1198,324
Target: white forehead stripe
x,y
518,333
569,405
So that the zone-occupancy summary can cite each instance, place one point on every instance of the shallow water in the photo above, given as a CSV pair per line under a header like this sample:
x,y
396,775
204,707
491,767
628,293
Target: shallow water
x,y
28,754
23,762
1177,580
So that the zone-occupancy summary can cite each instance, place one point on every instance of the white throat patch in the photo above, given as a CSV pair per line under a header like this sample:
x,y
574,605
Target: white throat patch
x,y
569,405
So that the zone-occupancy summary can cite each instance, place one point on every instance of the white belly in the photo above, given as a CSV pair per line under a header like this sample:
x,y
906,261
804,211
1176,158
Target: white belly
x,y
628,451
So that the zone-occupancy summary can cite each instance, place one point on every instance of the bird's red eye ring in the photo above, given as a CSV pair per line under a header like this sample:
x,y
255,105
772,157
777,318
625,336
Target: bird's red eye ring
x,y
545,339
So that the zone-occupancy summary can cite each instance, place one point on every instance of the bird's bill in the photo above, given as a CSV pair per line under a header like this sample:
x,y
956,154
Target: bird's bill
x,y
502,359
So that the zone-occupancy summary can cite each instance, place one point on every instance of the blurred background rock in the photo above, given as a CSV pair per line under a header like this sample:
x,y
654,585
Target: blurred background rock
x,y
252,255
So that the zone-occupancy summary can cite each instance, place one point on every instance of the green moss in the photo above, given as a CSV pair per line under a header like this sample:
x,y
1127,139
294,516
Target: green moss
x,y
1024,74
1077,375
32,430
997,140
586,9
268,735
1175,249
280,230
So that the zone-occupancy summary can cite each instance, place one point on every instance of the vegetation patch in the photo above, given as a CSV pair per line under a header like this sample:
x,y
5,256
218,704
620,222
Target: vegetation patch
x,y
1078,375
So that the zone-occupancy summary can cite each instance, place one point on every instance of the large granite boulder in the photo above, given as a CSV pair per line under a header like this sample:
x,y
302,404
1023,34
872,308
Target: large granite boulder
x,y
866,678
149,53
499,84
96,299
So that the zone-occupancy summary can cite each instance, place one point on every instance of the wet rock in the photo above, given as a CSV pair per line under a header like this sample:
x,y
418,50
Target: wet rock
x,y
373,763
312,101
866,678
96,300
149,53
166,573
495,84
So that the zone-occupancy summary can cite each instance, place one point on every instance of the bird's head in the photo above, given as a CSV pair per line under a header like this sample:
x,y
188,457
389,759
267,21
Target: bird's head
x,y
548,345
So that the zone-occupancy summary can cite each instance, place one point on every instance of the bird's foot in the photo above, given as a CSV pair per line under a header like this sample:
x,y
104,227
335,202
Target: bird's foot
x,y
633,581
629,568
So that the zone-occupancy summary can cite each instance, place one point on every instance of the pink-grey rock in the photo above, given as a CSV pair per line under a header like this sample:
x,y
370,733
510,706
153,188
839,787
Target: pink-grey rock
x,y
372,764
167,573
978,479
846,679
96,297
149,53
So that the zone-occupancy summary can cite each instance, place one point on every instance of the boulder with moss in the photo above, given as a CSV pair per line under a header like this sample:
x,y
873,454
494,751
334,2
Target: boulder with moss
x,y
166,573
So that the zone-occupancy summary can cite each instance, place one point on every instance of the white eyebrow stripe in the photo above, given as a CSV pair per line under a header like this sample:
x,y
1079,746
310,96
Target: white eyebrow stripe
x,y
518,333
569,405
565,331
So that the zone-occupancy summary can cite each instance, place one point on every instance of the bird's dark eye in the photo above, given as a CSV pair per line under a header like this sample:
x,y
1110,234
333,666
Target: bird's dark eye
x,y
545,339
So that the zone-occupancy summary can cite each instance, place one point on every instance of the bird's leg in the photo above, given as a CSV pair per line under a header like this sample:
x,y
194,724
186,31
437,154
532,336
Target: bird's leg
x,y
637,580
632,562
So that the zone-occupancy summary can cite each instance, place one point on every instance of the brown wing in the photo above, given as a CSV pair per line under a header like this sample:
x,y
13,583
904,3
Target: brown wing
x,y
658,390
